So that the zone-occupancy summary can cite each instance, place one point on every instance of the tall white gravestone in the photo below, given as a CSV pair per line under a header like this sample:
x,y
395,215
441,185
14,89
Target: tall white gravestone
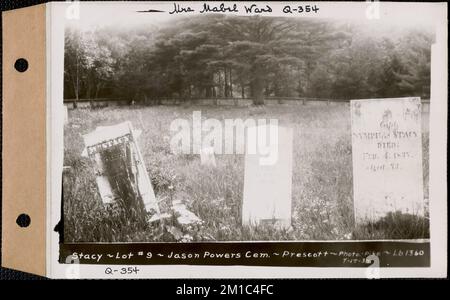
x,y
268,182
387,157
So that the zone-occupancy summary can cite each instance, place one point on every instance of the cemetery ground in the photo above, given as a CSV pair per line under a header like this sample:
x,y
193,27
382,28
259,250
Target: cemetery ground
x,y
322,186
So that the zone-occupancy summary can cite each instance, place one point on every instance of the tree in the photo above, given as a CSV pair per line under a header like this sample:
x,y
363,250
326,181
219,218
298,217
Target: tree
x,y
321,81
74,62
88,65
355,68
99,65
414,77
217,56
256,47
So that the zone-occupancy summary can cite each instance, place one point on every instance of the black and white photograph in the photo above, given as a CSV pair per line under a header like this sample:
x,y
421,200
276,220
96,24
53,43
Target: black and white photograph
x,y
224,140
218,127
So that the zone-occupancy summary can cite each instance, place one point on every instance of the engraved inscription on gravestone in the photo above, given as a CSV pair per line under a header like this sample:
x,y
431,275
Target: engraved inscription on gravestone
x,y
387,157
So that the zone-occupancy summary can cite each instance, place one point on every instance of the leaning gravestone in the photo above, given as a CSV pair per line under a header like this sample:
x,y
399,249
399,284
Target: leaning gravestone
x,y
119,166
268,181
387,157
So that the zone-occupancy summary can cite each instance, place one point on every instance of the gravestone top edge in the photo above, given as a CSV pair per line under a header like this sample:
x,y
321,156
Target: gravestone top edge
x,y
386,99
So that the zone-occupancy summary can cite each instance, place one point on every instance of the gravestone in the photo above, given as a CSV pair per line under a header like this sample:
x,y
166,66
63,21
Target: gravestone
x,y
66,115
267,182
387,157
119,166
207,157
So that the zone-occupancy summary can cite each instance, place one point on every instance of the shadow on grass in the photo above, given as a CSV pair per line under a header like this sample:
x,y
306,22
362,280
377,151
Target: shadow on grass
x,y
395,225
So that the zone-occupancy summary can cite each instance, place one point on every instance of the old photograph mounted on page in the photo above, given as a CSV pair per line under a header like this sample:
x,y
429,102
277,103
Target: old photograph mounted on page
x,y
278,134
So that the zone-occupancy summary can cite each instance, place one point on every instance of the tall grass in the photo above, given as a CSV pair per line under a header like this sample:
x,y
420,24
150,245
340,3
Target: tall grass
x,y
322,185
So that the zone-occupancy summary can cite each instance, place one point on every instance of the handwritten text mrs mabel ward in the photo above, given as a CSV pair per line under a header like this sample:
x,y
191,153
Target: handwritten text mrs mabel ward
x,y
247,8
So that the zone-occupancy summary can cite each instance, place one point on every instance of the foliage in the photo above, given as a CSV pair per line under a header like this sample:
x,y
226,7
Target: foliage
x,y
395,225
322,185
215,56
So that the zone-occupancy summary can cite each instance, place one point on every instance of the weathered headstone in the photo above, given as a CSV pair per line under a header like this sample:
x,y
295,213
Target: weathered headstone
x,y
387,157
66,115
119,166
207,157
267,181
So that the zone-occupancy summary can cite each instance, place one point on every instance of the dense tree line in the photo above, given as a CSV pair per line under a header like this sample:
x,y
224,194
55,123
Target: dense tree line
x,y
216,56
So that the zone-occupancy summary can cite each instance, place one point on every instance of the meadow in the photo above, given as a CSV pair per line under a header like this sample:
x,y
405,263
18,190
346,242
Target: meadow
x,y
322,187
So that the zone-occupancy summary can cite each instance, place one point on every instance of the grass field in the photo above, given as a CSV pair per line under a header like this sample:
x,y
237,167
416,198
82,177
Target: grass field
x,y
321,185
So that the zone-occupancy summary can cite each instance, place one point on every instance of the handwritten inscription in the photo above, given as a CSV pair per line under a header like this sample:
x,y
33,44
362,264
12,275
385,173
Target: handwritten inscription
x,y
255,8
349,257
288,9
222,8
177,9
